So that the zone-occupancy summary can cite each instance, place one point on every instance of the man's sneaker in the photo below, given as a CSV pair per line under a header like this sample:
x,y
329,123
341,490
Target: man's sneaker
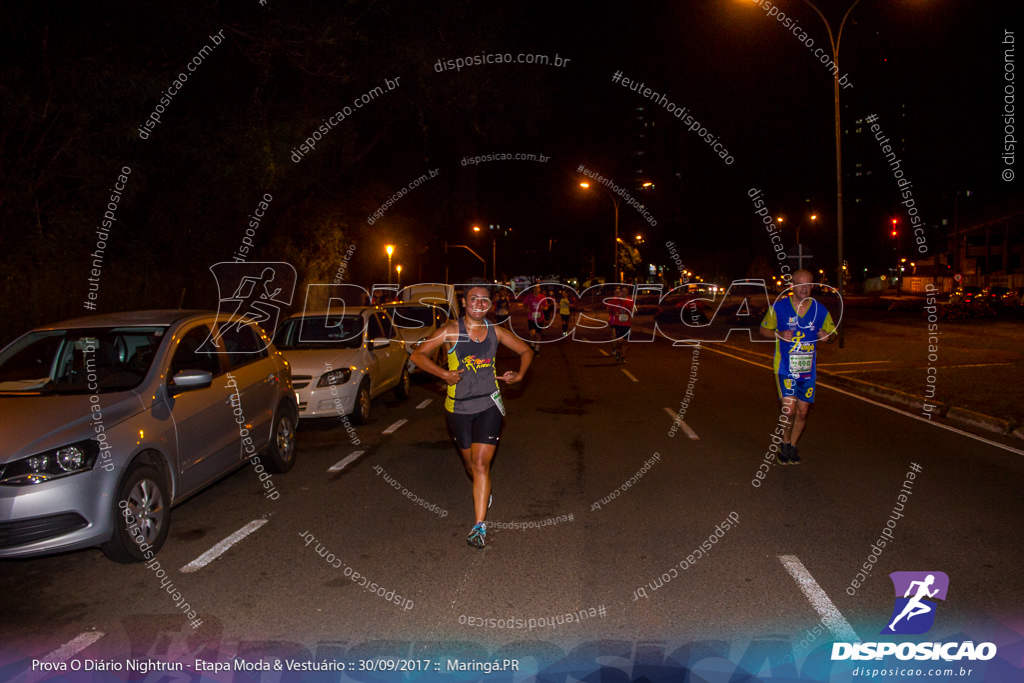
x,y
794,459
784,453
477,535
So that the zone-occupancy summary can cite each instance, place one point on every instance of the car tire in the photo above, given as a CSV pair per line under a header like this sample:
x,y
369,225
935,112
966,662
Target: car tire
x,y
403,387
144,490
361,415
281,449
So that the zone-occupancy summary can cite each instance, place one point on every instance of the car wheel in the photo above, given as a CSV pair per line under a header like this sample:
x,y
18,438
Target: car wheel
x,y
142,516
402,390
362,412
281,449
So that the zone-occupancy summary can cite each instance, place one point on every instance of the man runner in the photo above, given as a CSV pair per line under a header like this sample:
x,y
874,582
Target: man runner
x,y
620,315
474,405
797,323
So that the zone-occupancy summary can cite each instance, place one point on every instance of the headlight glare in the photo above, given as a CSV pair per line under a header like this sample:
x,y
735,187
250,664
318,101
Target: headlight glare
x,y
52,464
335,377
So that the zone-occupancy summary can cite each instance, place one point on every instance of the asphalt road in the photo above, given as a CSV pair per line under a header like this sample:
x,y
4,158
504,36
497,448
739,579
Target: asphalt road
x,y
628,565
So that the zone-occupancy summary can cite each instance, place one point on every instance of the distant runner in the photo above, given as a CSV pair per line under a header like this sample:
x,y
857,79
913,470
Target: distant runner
x,y
474,405
534,303
620,315
797,323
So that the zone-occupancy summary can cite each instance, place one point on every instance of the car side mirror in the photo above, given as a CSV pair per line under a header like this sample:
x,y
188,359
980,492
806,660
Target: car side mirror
x,y
190,380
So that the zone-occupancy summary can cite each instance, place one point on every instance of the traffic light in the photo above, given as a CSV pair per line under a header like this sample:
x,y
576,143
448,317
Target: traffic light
x,y
894,221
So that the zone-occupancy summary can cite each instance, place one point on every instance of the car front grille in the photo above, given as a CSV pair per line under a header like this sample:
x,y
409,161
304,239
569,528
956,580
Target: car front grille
x,y
39,528
301,381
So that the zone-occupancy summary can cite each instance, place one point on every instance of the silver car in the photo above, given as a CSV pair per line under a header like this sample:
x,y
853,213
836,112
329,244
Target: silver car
x,y
343,361
109,421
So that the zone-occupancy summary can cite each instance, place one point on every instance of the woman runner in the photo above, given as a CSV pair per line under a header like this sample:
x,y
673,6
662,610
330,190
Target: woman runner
x,y
474,405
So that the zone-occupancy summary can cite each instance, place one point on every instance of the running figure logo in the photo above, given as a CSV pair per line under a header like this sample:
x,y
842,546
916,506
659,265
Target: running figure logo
x,y
914,614
258,291
475,364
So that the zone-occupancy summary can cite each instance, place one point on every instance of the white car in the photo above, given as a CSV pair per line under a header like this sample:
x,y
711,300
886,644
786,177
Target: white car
x,y
340,362
416,323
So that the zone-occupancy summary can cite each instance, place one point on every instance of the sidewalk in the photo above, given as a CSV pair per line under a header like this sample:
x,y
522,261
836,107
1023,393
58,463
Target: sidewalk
x,y
978,365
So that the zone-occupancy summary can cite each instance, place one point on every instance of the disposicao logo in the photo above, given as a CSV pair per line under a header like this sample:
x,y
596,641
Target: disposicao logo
x,y
914,613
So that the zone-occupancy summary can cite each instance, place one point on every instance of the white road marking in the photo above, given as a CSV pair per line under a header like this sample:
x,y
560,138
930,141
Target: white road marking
x,y
424,403
61,654
629,375
973,365
342,464
682,425
830,615
858,362
890,408
222,547
393,428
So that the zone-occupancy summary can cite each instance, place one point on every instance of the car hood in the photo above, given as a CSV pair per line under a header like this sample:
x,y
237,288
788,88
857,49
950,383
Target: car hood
x,y
31,424
314,361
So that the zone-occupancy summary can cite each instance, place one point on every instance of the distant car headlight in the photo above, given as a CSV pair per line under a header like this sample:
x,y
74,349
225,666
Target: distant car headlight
x,y
335,377
52,464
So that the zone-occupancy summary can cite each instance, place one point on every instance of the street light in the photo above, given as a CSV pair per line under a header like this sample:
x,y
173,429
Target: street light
x,y
615,244
399,269
839,152
494,251
391,250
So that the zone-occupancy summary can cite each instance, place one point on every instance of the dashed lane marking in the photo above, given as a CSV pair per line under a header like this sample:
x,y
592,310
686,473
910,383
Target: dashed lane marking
x,y
682,425
222,547
822,604
342,464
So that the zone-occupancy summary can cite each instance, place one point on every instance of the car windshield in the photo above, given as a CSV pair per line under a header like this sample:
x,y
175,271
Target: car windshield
x,y
412,317
81,361
316,332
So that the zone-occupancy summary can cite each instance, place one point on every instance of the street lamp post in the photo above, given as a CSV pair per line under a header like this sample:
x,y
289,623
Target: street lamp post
x,y
494,251
390,249
615,244
839,153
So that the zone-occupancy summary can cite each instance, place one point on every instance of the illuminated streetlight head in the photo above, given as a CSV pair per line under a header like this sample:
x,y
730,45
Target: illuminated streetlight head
x,y
390,249
584,185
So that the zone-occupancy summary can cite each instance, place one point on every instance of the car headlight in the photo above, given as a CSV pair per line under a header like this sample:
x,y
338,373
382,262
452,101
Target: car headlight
x,y
52,464
335,377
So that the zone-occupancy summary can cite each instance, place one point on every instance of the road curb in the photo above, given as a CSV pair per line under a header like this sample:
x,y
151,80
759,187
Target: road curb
x,y
969,418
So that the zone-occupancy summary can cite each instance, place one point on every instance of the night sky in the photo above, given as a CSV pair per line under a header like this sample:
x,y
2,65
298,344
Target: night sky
x,y
78,84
